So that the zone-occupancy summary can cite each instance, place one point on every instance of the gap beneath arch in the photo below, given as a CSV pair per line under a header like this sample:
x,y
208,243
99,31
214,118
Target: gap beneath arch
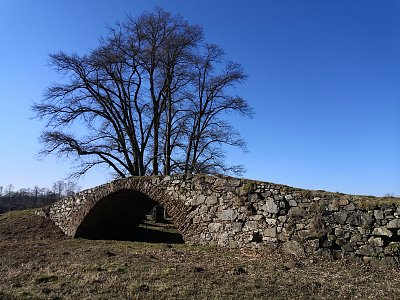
x,y
123,215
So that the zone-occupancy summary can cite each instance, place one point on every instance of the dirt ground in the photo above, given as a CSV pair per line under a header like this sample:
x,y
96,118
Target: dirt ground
x,y
38,262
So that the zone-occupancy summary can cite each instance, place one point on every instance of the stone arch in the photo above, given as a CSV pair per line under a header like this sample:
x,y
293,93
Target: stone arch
x,y
92,213
115,216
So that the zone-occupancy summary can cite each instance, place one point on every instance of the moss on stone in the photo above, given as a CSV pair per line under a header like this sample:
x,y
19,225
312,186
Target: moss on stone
x,y
248,186
370,202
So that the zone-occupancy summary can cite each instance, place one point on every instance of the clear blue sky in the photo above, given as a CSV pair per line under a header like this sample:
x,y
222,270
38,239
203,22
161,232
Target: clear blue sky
x,y
324,81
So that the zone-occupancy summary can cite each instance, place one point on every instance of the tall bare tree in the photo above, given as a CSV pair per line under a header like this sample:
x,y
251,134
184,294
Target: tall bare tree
x,y
213,77
147,100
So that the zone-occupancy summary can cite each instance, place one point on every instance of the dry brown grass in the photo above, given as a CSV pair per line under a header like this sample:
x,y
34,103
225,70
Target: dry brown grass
x,y
37,262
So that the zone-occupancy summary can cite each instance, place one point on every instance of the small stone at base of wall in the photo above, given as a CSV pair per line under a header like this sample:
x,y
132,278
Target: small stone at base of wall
x,y
293,247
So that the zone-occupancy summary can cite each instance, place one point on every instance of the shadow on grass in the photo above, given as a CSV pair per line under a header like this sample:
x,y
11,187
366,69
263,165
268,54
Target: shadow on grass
x,y
144,232
154,235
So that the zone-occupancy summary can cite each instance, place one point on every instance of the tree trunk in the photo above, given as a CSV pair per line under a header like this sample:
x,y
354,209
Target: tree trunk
x,y
155,147
168,151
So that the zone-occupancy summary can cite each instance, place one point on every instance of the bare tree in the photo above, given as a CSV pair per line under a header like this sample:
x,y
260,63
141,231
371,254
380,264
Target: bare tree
x,y
209,100
148,98
70,188
36,192
58,188
9,190
165,44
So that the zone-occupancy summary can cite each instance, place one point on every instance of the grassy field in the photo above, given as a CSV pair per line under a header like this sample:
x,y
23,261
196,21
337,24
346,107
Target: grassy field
x,y
38,262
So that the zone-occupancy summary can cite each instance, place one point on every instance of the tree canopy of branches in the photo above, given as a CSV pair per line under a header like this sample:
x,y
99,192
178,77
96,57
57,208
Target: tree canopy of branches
x,y
150,99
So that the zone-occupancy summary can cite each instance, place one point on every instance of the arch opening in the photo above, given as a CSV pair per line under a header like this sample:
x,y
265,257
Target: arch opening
x,y
124,215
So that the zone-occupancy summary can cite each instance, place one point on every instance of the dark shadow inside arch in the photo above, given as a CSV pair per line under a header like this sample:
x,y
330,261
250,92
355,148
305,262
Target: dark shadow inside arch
x,y
122,216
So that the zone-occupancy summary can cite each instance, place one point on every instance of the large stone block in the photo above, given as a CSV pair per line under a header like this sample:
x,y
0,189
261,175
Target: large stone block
x,y
350,206
235,227
367,220
270,221
375,242
228,215
200,199
214,227
366,250
340,217
382,231
334,205
271,207
378,214
211,200
270,232
395,223
354,218
251,225
297,212
289,197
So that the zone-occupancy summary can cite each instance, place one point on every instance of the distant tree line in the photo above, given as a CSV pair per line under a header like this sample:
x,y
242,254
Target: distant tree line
x,y
24,198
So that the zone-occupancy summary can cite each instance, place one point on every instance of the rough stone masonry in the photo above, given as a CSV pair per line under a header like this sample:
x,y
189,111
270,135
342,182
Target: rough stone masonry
x,y
236,212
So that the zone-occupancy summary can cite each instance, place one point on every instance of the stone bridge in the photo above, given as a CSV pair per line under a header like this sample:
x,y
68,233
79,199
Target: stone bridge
x,y
236,212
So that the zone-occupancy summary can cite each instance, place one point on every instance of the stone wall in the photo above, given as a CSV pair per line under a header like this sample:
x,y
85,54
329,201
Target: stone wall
x,y
236,212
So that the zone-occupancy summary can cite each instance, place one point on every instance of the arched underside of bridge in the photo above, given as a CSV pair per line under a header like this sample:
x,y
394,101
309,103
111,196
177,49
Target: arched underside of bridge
x,y
117,216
